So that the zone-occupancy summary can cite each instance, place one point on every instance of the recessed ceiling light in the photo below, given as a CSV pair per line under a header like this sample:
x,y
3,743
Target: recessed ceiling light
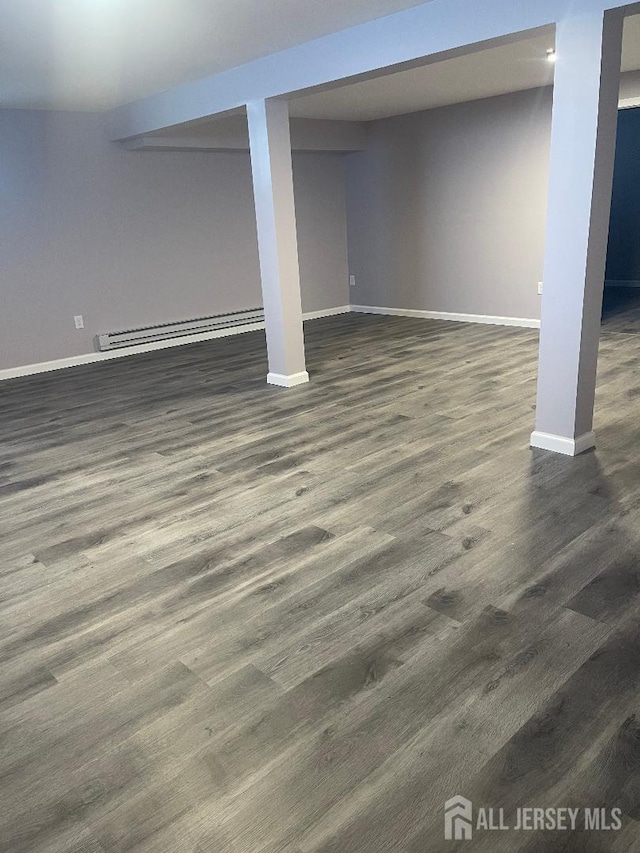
x,y
551,55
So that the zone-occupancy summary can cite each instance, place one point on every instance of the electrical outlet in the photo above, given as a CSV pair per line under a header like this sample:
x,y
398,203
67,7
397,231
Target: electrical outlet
x,y
79,321
352,281
539,288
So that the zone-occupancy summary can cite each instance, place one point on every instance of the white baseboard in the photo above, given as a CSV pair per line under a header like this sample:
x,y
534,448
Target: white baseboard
x,y
628,103
289,381
326,312
447,315
93,357
560,444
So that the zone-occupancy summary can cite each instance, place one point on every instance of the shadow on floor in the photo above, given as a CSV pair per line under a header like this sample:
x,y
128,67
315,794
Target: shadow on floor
x,y
621,310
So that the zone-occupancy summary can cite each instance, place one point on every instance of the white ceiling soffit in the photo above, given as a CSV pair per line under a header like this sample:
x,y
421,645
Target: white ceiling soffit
x,y
493,71
99,54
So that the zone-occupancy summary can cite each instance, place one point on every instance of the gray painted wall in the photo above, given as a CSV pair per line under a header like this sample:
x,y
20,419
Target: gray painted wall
x,y
131,239
446,208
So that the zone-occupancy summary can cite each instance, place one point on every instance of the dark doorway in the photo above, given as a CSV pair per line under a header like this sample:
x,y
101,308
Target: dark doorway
x,y
621,305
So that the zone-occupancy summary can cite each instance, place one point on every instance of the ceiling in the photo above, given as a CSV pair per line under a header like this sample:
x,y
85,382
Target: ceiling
x,y
99,54
483,74
495,71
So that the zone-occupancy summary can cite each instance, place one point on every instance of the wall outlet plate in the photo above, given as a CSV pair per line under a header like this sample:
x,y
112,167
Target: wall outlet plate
x,y
352,281
79,321
539,288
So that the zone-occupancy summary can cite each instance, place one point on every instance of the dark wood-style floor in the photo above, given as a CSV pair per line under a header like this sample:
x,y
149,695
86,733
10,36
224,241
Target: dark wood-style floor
x,y
242,619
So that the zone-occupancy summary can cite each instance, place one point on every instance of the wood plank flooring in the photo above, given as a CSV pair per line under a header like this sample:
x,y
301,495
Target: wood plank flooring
x,y
242,619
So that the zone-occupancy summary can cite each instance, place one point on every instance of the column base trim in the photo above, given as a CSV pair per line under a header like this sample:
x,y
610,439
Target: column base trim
x,y
560,444
288,381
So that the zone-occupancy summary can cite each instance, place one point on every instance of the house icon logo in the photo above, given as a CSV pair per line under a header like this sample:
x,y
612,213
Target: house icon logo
x,y
458,819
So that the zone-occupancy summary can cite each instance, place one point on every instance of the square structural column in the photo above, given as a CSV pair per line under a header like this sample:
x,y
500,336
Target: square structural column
x,y
583,137
270,143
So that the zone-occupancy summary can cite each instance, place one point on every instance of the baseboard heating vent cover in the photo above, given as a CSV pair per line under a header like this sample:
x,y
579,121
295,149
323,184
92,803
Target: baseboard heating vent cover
x,y
166,331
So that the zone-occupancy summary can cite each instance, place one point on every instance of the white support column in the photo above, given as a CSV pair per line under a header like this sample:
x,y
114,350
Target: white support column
x,y
270,144
583,135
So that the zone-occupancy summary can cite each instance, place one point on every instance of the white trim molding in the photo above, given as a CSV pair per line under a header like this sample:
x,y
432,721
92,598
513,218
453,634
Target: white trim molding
x,y
93,357
560,444
288,381
628,103
447,315
326,312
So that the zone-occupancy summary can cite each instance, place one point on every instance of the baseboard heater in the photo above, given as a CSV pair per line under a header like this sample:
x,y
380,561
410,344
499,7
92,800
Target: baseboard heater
x,y
166,331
